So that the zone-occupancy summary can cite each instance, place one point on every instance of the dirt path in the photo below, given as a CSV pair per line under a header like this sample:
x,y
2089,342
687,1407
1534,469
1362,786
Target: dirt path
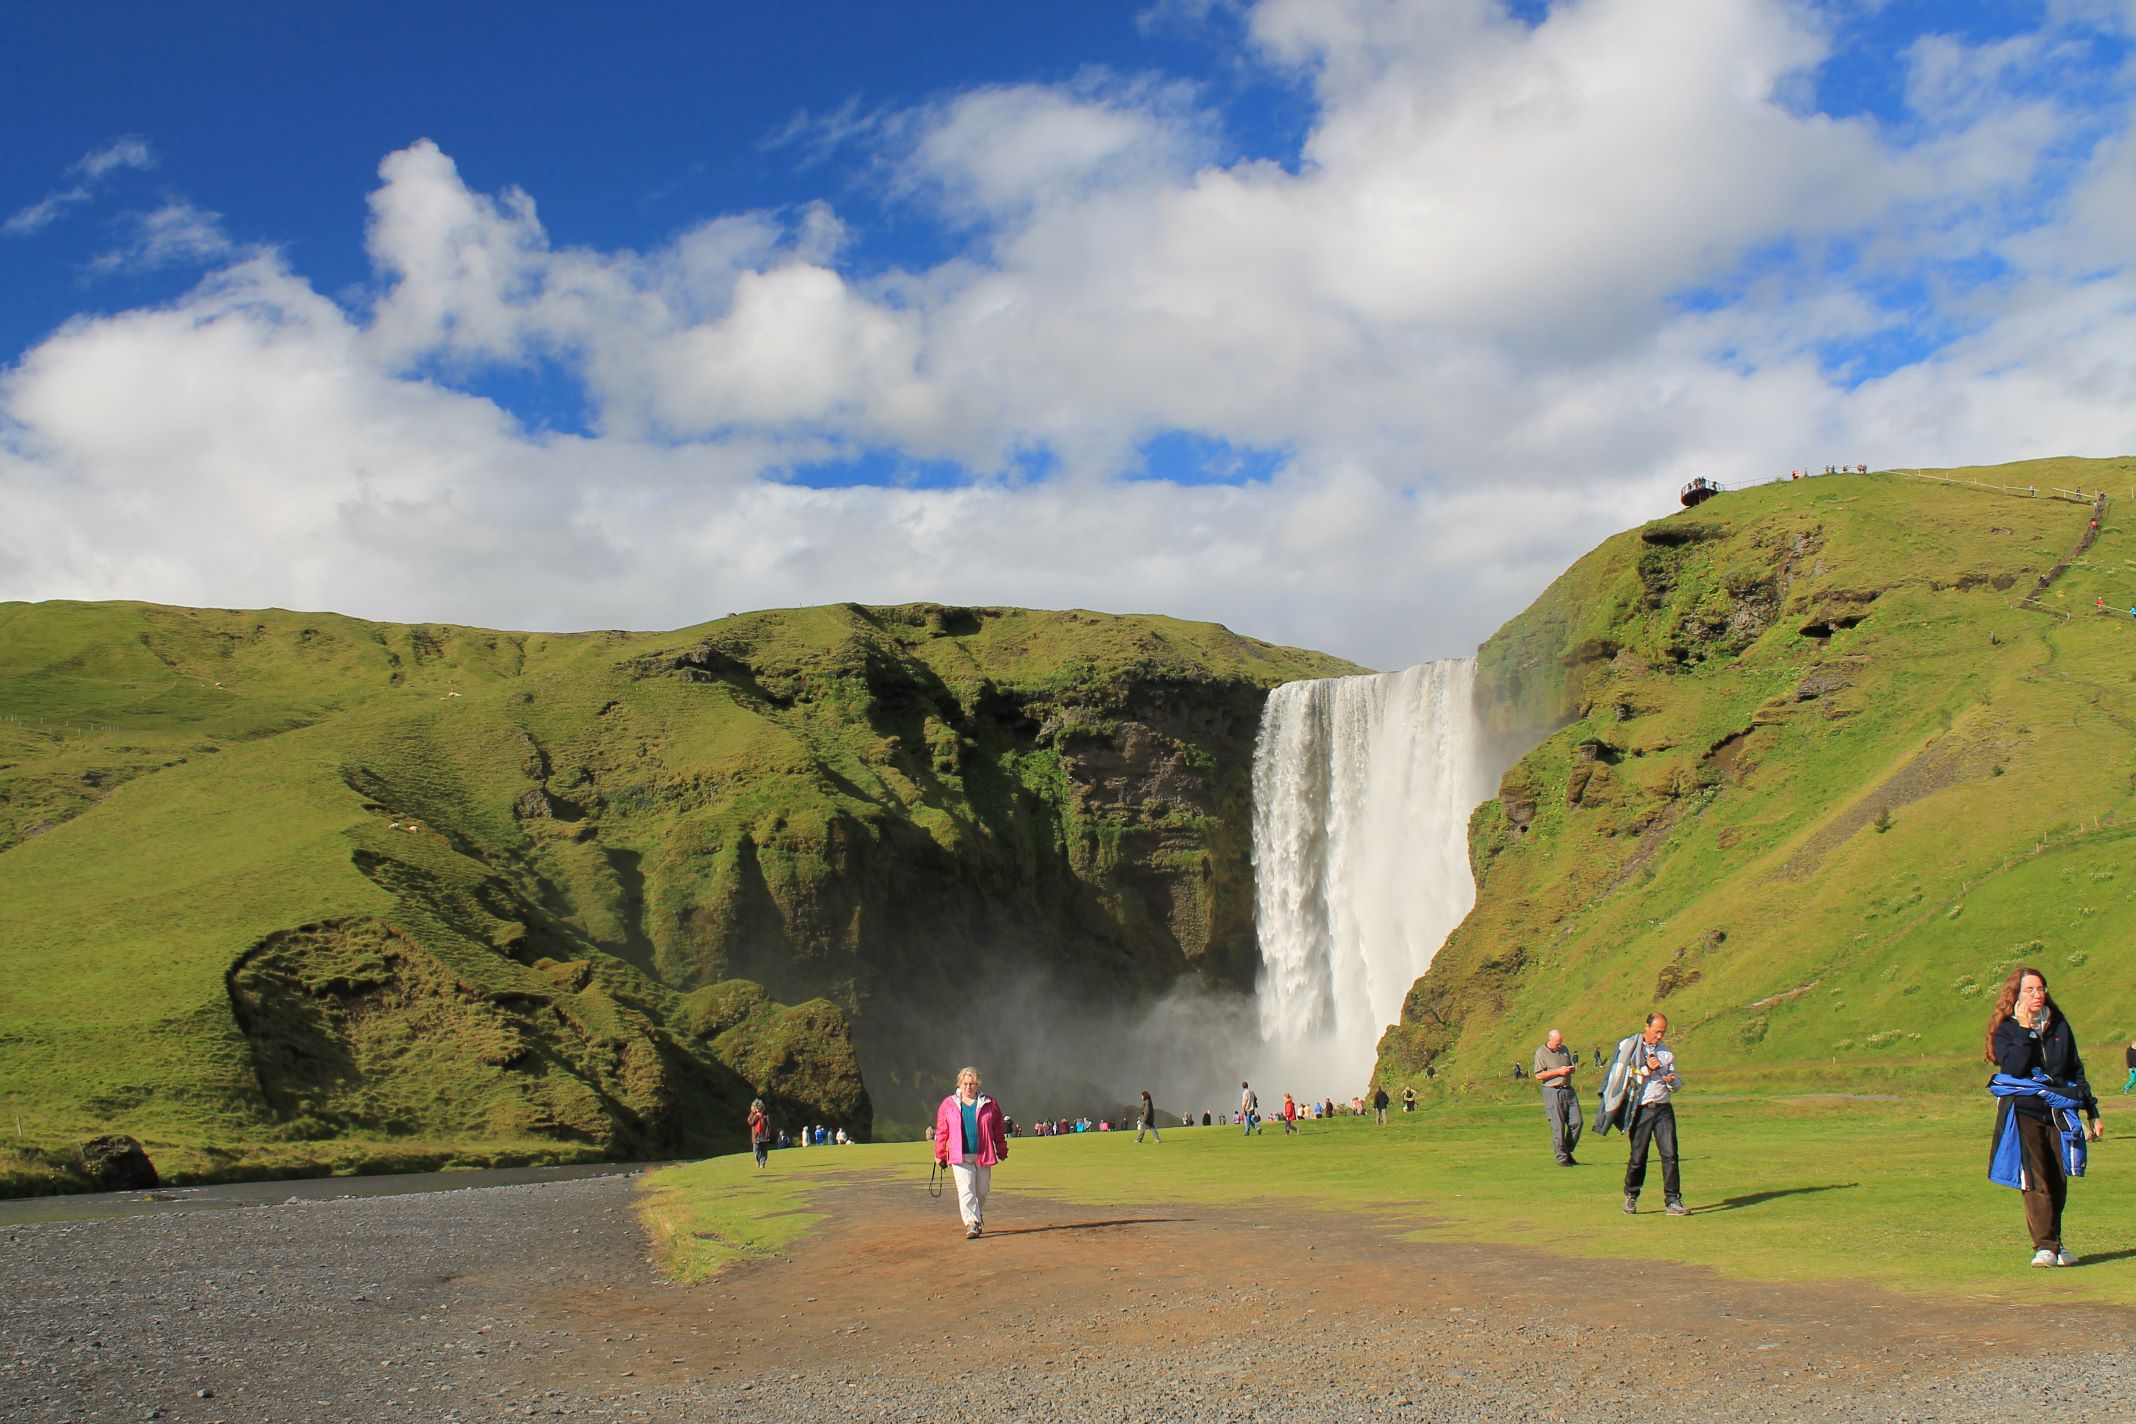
x,y
536,1301
1280,1312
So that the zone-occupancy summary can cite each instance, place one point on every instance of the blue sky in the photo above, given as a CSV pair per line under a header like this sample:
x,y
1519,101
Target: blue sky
x,y
628,124
1261,313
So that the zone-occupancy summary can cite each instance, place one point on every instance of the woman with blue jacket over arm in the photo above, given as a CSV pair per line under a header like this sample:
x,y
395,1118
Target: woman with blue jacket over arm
x,y
2028,1038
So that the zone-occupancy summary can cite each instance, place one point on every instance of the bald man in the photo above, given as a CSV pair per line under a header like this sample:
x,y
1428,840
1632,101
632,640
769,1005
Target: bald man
x,y
1553,1070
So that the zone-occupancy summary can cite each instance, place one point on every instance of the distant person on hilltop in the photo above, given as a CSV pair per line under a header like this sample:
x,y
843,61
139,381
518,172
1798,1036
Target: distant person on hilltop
x,y
1379,1104
1205,1117
760,1132
970,1140
1290,1115
1652,1091
1249,1110
2129,1053
1409,1099
1561,1105
2039,1143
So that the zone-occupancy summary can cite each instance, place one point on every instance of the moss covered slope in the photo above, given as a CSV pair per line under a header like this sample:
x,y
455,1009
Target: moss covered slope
x,y
285,892
1822,769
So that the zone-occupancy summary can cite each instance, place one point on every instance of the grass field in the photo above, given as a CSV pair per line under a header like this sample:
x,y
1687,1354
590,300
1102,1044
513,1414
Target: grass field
x,y
1890,1193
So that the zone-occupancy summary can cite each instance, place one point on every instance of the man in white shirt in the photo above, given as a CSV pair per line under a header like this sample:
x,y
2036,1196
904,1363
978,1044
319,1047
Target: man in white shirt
x,y
1654,1124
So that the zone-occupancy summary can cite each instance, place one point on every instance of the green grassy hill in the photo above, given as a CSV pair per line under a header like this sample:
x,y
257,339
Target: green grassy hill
x,y
1823,770
287,892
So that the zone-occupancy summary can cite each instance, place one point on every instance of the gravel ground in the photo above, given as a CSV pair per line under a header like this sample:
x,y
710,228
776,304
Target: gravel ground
x,y
432,1306
521,1301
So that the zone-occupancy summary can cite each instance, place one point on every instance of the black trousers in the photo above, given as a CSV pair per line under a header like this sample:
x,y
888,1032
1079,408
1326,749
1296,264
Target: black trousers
x,y
1655,1127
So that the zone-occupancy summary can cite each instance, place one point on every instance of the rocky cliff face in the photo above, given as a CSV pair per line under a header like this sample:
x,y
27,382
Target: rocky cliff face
x,y
984,807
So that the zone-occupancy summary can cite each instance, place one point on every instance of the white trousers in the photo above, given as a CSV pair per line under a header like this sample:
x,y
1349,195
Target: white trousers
x,y
972,1182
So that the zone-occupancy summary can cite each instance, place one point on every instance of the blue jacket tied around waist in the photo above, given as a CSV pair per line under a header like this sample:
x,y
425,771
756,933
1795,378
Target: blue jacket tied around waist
x,y
2065,1102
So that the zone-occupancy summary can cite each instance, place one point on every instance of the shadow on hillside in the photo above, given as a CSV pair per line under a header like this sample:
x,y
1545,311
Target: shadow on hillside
x,y
1090,1225
1761,1198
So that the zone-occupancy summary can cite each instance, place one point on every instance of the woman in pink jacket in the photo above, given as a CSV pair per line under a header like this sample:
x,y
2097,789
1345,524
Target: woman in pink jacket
x,y
970,1137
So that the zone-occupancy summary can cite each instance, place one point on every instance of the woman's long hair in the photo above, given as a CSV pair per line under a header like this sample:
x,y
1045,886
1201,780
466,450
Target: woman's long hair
x,y
2006,1004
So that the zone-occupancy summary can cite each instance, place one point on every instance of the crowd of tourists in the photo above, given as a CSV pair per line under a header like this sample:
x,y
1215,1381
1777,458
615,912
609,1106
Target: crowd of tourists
x,y
2046,1114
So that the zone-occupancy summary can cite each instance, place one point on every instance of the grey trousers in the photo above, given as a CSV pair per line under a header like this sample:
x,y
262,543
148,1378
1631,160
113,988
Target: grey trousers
x,y
1562,1107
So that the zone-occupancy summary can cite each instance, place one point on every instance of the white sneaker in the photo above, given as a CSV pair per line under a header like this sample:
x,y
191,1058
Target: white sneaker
x,y
2043,1258
2064,1259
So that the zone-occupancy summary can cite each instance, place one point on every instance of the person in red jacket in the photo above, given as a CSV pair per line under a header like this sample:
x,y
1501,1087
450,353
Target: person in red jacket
x,y
1290,1114
970,1137
759,1131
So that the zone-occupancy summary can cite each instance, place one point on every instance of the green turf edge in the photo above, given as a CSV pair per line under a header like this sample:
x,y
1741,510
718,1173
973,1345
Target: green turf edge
x,y
702,1217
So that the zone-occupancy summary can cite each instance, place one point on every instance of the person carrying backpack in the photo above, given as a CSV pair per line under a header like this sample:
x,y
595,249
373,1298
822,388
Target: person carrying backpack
x,y
759,1132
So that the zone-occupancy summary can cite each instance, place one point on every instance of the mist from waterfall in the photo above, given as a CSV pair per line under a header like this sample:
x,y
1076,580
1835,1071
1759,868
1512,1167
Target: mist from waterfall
x,y
1362,791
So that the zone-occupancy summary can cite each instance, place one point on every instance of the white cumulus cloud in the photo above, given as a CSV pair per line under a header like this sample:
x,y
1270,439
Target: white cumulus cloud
x,y
1518,283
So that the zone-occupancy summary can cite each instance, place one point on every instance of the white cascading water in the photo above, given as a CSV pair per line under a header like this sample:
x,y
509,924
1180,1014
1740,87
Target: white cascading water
x,y
1362,791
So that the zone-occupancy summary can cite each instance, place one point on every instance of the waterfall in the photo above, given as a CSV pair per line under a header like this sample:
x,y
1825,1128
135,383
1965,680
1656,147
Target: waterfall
x,y
1362,790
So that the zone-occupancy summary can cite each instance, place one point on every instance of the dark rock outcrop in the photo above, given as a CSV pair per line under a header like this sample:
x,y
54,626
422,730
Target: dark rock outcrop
x,y
116,1163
